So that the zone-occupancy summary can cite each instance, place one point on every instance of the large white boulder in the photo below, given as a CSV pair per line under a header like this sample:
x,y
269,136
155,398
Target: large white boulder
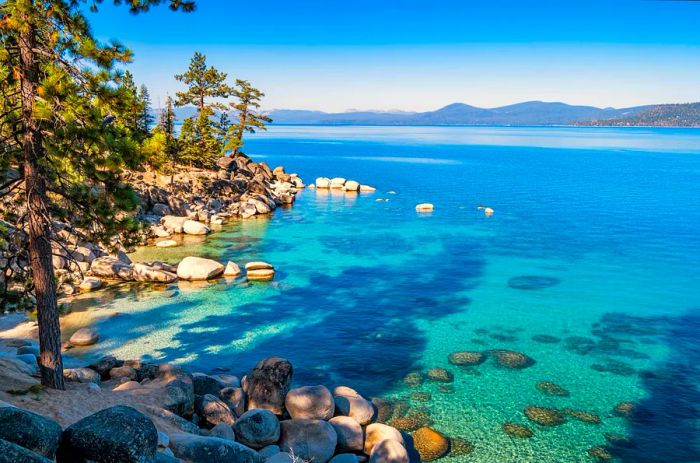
x,y
338,182
323,182
352,185
145,272
173,224
192,227
198,268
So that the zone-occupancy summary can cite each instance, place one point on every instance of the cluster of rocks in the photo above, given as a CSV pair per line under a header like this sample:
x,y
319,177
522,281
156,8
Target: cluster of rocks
x,y
342,184
191,202
220,418
191,268
239,188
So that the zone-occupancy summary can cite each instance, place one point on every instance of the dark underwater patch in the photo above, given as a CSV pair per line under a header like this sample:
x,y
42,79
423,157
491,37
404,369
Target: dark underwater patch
x,y
533,282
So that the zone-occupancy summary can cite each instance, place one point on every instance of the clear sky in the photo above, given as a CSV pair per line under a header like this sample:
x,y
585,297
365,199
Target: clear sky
x,y
418,55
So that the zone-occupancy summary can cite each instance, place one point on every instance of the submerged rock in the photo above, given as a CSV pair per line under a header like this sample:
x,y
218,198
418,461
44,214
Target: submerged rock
x,y
544,416
532,282
586,417
440,375
552,389
413,379
625,409
600,453
460,447
511,359
618,440
546,339
466,358
430,444
414,420
421,396
517,430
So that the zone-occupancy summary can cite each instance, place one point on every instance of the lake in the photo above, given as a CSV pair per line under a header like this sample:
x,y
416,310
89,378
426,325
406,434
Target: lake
x,y
589,266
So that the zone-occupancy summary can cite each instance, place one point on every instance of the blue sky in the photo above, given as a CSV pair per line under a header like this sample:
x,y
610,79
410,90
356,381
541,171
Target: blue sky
x,y
336,55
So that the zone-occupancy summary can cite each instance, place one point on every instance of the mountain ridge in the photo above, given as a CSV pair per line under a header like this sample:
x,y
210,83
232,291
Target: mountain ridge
x,y
519,114
524,113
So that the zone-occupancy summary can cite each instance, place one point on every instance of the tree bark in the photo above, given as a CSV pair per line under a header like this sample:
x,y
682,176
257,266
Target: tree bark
x,y
39,220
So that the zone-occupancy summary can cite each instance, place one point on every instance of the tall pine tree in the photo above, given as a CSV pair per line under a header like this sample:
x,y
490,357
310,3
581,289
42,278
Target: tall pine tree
x,y
249,117
202,82
145,118
59,133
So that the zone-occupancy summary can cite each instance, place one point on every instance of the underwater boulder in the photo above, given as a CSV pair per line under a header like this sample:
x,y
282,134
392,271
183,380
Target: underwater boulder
x,y
517,430
511,359
544,416
466,358
551,389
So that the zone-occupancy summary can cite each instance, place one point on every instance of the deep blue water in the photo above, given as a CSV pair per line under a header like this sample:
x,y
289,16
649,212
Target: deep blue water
x,y
594,241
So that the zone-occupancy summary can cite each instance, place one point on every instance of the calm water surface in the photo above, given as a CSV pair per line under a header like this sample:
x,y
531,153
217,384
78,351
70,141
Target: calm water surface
x,y
603,223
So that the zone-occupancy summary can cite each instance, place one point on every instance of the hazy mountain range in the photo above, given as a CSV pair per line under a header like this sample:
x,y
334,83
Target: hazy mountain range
x,y
528,113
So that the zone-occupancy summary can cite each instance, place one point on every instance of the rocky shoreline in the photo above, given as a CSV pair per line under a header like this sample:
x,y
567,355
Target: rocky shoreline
x,y
133,411
194,202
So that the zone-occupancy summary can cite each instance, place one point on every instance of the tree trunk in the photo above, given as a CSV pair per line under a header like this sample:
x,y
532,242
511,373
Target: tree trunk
x,y
241,127
39,221
201,103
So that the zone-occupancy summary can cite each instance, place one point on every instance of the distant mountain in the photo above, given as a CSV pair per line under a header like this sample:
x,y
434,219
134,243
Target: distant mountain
x,y
528,113
666,115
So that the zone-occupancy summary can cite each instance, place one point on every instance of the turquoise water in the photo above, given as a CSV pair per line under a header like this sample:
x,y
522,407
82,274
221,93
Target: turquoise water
x,y
368,290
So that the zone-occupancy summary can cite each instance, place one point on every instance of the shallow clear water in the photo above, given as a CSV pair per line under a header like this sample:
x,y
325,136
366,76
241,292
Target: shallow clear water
x,y
368,290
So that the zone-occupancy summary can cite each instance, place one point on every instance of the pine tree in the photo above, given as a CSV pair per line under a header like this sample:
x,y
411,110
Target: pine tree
x,y
223,127
59,132
249,117
198,143
131,105
202,82
145,118
166,121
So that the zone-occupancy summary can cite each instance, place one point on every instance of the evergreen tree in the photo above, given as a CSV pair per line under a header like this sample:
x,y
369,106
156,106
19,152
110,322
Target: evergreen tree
x,y
166,122
132,108
202,82
59,133
198,143
249,117
223,127
145,118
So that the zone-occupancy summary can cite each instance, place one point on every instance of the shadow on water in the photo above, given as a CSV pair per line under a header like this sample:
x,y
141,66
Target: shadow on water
x,y
359,327
665,426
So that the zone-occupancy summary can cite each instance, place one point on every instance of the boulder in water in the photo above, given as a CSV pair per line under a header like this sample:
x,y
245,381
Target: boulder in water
x,y
198,268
